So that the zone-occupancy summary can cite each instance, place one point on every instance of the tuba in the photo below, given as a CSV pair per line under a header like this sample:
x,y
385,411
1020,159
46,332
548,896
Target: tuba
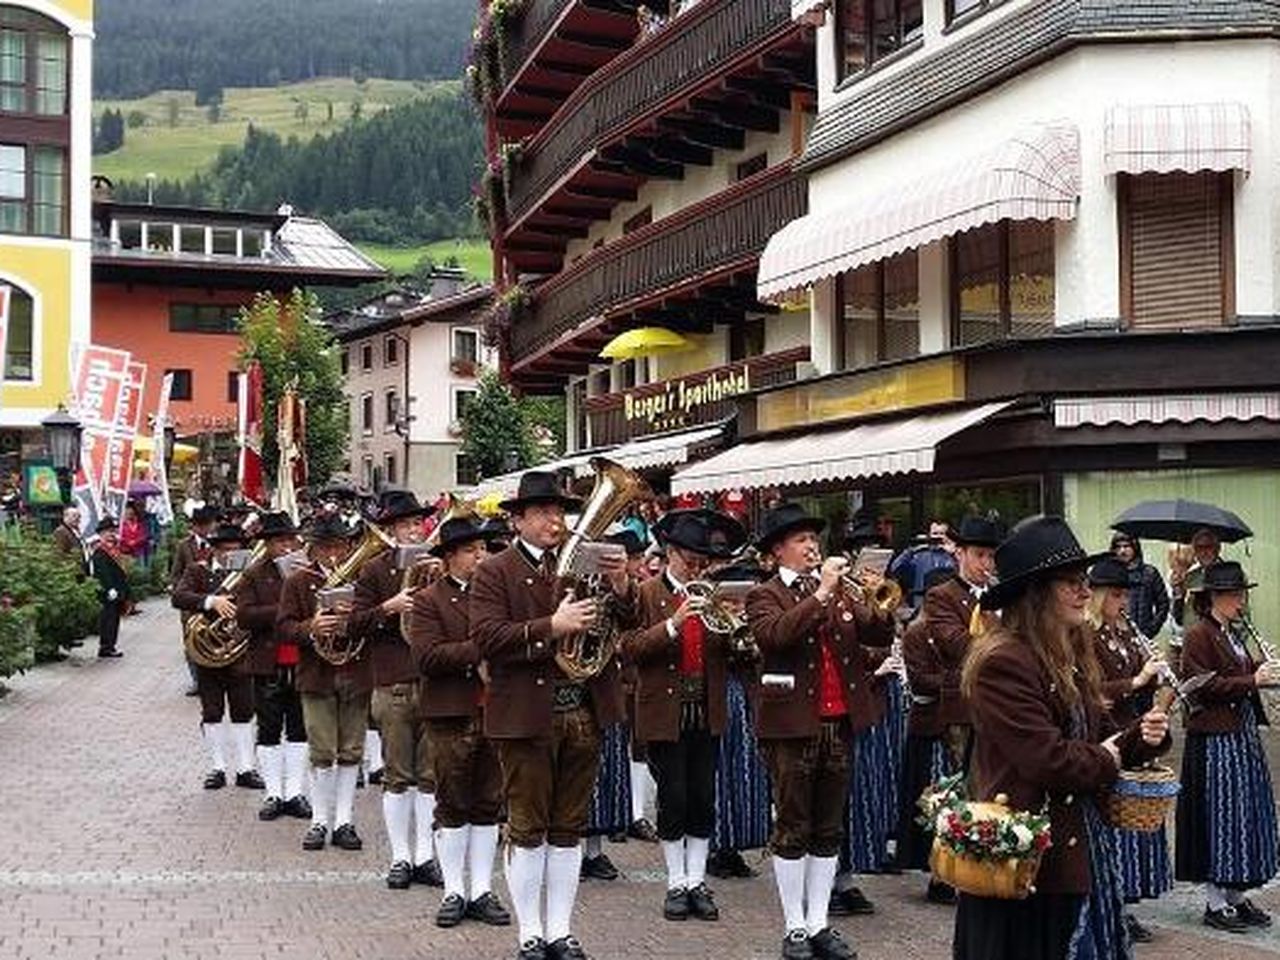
x,y
340,648
584,655
212,641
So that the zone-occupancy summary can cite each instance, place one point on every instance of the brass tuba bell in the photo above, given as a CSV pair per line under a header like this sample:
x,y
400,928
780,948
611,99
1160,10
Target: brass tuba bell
x,y
340,648
212,641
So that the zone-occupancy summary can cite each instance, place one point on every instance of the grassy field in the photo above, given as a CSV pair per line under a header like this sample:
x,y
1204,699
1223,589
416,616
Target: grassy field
x,y
177,138
473,256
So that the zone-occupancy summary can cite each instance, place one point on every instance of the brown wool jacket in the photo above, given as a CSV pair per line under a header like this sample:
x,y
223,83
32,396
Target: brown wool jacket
x,y
1206,649
380,580
293,623
656,658
511,607
199,581
257,599
786,629
1121,659
1023,749
447,657
927,676
948,608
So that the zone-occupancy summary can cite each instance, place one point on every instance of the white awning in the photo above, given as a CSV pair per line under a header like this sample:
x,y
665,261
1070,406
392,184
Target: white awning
x,y
1174,408
809,11
506,484
1162,138
664,451
1033,176
866,450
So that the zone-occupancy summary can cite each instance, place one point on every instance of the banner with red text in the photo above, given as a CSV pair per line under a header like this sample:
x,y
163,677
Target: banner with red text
x,y
120,452
99,378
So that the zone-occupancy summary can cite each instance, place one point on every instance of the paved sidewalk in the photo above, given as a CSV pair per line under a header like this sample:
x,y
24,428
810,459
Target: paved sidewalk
x,y
111,849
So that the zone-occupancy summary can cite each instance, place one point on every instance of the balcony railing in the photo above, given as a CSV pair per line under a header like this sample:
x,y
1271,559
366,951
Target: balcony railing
x,y
528,30
725,230
690,49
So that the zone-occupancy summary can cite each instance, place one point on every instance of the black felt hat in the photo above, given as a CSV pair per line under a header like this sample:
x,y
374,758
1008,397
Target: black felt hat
x,y
784,519
1110,572
977,532
205,514
706,532
1037,548
740,571
275,525
396,505
107,523
539,486
1226,576
455,532
629,540
328,527
227,533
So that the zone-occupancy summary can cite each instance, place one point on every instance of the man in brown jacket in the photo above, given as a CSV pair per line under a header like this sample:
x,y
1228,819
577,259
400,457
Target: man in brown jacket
x,y
546,727
807,631
189,549
467,773
408,786
682,671
273,665
335,699
66,537
222,689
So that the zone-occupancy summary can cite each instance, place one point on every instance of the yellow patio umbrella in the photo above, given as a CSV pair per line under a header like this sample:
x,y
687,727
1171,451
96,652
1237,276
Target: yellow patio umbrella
x,y
645,342
182,452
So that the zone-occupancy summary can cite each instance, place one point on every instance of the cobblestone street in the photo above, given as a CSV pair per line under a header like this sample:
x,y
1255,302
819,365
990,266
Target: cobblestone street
x,y
112,849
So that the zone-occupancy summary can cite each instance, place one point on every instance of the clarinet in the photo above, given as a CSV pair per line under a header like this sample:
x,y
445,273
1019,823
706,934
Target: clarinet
x,y
895,650
1267,650
1166,674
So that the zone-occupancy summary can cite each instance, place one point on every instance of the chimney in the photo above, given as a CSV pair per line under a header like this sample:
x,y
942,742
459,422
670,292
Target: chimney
x,y
446,282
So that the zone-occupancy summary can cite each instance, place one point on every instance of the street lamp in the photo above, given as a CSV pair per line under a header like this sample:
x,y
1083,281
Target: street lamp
x,y
62,440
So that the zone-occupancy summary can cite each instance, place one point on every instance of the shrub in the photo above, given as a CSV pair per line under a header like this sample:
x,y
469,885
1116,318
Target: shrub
x,y
34,575
17,640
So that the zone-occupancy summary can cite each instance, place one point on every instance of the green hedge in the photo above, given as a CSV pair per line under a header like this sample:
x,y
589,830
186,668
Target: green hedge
x,y
17,640
35,577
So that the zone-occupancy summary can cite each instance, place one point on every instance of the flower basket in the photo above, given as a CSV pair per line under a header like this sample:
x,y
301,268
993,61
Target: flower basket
x,y
1141,799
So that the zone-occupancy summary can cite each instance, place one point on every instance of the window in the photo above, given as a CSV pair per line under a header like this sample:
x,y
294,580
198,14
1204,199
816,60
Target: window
x,y
366,472
960,8
466,346
636,221
465,472
344,361
233,386
460,400
34,74
1177,262
391,409
868,31
746,340
204,318
366,356
389,467
751,166
19,344
626,374
366,413
391,351
33,190
880,309
182,386
1002,279
579,439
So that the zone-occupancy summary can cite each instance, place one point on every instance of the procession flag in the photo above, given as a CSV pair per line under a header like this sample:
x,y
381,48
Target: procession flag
x,y
98,382
251,477
159,469
289,424
125,433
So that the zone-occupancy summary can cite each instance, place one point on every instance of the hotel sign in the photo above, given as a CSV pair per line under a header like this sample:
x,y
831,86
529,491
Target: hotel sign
x,y
683,402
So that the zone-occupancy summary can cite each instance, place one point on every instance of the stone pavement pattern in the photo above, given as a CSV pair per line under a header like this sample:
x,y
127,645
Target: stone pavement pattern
x,y
111,849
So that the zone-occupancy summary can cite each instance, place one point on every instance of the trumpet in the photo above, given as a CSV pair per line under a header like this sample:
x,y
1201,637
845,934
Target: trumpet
x,y
884,598
720,617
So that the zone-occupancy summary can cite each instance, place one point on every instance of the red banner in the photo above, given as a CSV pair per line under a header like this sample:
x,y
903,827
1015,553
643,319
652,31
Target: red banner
x,y
253,487
120,455
98,382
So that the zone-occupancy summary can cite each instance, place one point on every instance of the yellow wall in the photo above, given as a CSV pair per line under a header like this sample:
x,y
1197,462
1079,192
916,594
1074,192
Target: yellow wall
x,y
80,9
45,272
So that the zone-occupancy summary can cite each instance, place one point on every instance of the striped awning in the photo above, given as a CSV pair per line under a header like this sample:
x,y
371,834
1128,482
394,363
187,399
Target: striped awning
x,y
1173,408
1032,176
871,449
1187,136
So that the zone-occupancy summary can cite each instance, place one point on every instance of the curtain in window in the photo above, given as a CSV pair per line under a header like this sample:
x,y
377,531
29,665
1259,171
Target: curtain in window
x,y
13,70
51,75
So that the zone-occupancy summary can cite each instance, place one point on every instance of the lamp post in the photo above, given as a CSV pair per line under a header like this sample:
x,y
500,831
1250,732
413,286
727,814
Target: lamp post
x,y
62,439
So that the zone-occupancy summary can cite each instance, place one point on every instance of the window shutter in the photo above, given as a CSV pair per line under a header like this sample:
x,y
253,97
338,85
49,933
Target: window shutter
x,y
1179,269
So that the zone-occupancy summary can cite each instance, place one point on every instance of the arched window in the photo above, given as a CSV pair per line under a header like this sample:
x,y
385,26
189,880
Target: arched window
x,y
19,343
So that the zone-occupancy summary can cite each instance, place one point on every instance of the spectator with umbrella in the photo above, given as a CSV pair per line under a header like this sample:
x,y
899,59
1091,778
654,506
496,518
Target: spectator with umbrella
x,y
1148,597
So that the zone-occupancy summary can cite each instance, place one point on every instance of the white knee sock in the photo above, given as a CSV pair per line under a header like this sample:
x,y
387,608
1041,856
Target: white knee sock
x,y
1234,897
695,859
295,770
372,751
242,737
673,853
271,763
1215,897
451,852
214,744
323,780
344,794
594,846
564,867
482,845
789,875
424,815
820,874
642,787
397,811
524,879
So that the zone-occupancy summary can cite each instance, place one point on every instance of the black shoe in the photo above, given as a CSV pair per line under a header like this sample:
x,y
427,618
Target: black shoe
x,y
360,779
399,876
1137,932
488,909
428,874
315,838
1225,919
702,905
599,867
850,903
642,829
250,779
191,691
1252,915
109,654
346,838
619,837
827,944
737,866
298,807
452,909
535,949
566,948
940,892
676,904
795,946
215,779
271,809
375,778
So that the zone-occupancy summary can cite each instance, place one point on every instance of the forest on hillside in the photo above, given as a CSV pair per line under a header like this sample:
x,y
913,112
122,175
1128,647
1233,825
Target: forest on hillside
x,y
148,45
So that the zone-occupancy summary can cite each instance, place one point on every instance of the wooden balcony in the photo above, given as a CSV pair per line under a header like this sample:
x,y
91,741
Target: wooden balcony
x,y
687,271
672,99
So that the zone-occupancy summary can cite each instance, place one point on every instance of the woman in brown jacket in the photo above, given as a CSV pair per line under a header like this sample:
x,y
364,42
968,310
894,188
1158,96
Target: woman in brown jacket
x,y
1035,693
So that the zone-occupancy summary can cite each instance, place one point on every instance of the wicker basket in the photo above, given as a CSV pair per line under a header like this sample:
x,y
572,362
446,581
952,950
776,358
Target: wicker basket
x,y
999,879
1141,799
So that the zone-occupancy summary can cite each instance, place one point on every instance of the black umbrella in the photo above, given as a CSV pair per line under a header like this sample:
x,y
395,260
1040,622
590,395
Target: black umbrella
x,y
1179,520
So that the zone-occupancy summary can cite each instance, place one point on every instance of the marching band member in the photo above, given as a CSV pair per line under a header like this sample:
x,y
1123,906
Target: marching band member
x,y
1035,695
275,692
546,727
408,784
1226,818
1129,678
681,668
222,689
808,637
335,700
107,566
452,693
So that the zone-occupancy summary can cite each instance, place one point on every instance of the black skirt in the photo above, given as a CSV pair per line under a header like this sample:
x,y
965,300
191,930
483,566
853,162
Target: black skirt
x,y
1038,928
924,762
